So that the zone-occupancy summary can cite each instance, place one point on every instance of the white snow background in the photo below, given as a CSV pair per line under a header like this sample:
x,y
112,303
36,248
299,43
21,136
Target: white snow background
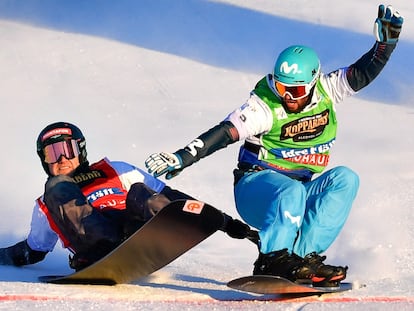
x,y
145,76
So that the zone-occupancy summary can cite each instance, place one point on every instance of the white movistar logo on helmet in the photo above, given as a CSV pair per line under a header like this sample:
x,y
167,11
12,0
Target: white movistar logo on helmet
x,y
284,67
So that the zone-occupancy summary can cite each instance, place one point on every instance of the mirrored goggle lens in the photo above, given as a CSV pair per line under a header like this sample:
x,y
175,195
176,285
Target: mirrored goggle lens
x,y
68,148
295,92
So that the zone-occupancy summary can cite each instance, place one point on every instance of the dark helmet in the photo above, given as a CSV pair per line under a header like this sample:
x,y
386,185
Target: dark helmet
x,y
57,132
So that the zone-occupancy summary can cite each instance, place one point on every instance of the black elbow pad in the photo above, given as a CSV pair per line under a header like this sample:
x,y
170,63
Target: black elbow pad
x,y
368,67
214,139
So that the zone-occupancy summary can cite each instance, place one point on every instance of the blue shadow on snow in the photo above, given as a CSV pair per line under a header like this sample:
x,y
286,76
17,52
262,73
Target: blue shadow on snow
x,y
214,33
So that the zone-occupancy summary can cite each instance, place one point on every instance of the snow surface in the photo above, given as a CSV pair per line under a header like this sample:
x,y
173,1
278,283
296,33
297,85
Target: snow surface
x,y
145,76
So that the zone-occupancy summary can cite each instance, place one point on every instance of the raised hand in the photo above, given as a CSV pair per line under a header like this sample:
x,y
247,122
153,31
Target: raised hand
x,y
387,27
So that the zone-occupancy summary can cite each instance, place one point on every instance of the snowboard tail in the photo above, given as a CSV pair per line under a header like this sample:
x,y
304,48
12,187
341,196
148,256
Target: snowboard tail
x,y
174,230
268,284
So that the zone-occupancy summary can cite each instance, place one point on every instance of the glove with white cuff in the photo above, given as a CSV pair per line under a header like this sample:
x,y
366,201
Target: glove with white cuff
x,y
164,163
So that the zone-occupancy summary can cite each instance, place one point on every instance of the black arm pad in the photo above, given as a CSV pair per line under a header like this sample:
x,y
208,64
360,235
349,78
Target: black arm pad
x,y
367,68
214,139
20,254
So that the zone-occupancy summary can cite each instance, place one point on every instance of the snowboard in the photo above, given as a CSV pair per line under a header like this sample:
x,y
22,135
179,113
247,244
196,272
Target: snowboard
x,y
174,230
267,284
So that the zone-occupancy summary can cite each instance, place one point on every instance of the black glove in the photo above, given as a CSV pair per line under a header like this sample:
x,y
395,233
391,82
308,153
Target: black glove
x,y
388,25
5,258
20,254
235,228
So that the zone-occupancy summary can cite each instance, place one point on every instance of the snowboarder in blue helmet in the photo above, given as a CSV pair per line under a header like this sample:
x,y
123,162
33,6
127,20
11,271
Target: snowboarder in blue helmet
x,y
288,125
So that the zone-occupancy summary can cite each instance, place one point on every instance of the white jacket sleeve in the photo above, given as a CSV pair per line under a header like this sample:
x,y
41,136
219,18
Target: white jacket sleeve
x,y
253,118
129,175
337,86
41,236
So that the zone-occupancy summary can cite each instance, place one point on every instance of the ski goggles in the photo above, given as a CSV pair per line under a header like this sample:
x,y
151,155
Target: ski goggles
x,y
294,91
67,148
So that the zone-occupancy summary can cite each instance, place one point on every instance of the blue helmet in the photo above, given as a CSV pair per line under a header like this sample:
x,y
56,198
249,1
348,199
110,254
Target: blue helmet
x,y
297,65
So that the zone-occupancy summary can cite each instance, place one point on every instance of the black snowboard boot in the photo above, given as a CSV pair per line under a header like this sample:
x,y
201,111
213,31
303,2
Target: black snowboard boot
x,y
325,275
281,263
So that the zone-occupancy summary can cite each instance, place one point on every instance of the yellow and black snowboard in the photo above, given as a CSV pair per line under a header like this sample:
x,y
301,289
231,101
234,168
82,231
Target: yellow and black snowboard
x,y
174,230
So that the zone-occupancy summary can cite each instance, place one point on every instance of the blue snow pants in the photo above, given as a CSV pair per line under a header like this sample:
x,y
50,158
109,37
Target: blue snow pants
x,y
303,217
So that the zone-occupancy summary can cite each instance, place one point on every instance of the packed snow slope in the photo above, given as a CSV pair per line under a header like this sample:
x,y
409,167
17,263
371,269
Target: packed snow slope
x,y
146,76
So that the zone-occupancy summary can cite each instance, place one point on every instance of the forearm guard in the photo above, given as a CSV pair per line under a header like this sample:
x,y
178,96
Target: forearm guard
x,y
214,139
367,68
